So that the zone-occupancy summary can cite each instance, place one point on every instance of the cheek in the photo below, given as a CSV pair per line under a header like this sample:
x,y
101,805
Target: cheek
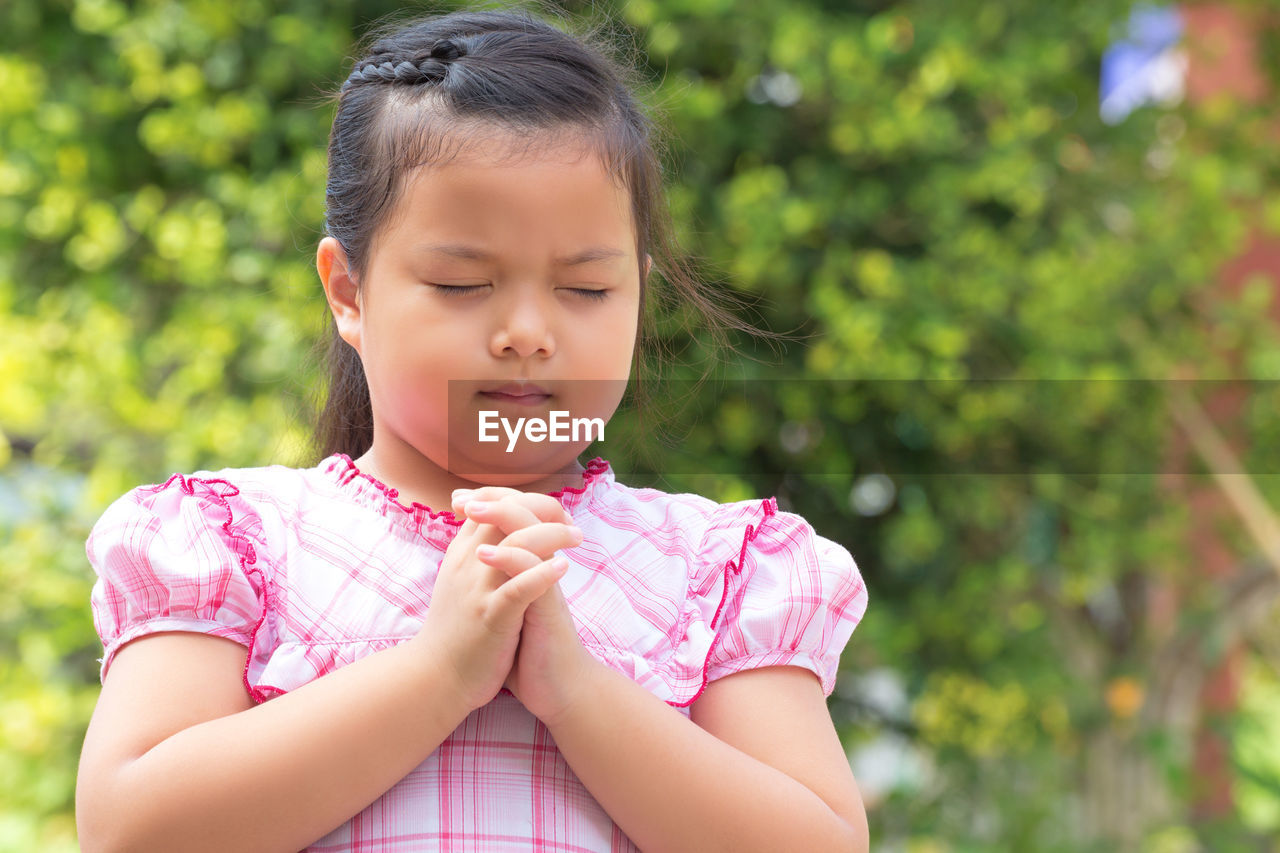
x,y
605,353
412,368
627,330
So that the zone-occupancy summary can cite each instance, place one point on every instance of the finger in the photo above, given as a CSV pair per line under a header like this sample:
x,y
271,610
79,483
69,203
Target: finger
x,y
481,493
545,507
473,530
511,561
506,515
544,538
514,596
481,534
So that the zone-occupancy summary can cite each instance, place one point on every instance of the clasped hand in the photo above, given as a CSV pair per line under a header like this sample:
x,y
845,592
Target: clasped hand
x,y
497,615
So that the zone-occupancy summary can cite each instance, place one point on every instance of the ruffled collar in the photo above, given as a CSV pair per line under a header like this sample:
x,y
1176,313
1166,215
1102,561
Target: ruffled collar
x,y
370,492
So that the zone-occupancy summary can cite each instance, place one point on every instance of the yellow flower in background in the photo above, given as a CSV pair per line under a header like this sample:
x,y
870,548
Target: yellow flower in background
x,y
1124,697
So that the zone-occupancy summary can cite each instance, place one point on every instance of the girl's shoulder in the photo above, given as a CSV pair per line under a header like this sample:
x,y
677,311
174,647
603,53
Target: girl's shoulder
x,y
208,523
241,499
746,584
708,526
207,552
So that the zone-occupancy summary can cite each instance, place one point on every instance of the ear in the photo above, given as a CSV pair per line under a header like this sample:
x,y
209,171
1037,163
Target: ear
x,y
648,264
340,289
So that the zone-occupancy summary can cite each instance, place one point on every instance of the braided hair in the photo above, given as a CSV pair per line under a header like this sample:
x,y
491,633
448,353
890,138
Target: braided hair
x,y
430,69
424,89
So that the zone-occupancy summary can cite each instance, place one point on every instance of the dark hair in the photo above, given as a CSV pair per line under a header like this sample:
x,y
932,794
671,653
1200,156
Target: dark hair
x,y
423,89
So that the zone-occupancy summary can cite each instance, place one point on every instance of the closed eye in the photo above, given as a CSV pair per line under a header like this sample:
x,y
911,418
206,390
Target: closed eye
x,y
464,289
588,293
458,289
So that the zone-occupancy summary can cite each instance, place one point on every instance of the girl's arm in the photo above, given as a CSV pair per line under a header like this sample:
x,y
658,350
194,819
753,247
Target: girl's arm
x,y
759,767
178,757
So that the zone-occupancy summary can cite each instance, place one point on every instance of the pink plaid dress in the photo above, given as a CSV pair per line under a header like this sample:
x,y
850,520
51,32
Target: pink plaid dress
x,y
311,569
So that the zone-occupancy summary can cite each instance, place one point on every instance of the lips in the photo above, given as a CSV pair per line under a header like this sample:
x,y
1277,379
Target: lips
x,y
517,392
517,389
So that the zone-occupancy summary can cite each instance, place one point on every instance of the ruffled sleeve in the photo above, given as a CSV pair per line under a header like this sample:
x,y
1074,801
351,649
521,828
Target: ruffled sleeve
x,y
176,557
787,596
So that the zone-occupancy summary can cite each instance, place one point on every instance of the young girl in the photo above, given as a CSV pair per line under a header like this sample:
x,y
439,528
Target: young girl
x,y
314,658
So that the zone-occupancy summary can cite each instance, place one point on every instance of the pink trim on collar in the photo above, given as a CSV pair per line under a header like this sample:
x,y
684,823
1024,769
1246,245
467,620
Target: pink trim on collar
x,y
594,470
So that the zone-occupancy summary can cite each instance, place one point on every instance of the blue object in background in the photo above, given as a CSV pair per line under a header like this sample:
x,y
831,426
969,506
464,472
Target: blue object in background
x,y
1145,66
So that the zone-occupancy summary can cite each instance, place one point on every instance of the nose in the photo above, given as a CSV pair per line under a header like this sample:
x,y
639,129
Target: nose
x,y
523,328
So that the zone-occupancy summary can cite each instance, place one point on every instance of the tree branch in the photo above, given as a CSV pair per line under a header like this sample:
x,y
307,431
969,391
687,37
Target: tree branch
x,y
1241,492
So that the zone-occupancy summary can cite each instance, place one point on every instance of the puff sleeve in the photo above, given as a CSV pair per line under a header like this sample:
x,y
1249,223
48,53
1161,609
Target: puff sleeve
x,y
788,596
176,557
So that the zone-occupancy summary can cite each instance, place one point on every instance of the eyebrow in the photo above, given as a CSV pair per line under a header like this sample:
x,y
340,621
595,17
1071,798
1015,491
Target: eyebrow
x,y
471,253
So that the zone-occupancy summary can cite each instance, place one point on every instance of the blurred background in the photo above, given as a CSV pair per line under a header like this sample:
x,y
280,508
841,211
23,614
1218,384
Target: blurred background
x,y
1028,258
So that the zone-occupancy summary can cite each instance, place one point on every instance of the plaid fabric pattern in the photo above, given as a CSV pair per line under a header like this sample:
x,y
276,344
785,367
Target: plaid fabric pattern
x,y
311,569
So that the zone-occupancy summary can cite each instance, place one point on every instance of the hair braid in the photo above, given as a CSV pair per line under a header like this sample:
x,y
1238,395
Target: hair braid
x,y
429,68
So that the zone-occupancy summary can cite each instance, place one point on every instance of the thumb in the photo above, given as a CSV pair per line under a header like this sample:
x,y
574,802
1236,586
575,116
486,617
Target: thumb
x,y
516,594
549,607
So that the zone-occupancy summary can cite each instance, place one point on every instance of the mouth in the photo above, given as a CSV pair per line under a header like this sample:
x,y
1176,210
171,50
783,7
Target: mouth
x,y
520,393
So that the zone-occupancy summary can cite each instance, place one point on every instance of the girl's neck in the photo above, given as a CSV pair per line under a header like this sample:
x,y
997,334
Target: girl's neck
x,y
417,479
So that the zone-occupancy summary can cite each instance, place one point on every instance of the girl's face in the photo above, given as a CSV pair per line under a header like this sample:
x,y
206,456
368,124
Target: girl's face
x,y
493,271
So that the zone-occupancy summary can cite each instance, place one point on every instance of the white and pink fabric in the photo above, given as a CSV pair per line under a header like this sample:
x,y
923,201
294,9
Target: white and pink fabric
x,y
311,569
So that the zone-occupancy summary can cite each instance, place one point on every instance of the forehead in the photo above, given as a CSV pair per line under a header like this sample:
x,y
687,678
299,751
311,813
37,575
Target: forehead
x,y
498,186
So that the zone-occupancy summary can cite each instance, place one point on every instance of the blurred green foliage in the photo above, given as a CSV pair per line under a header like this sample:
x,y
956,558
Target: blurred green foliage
x,y
916,190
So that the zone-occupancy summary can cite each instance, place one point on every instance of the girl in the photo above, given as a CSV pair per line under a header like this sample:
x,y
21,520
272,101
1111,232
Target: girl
x,y
314,658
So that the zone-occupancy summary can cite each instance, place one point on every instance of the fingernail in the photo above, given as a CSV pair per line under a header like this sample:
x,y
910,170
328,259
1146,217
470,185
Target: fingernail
x,y
576,533
486,552
457,492
476,506
560,561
